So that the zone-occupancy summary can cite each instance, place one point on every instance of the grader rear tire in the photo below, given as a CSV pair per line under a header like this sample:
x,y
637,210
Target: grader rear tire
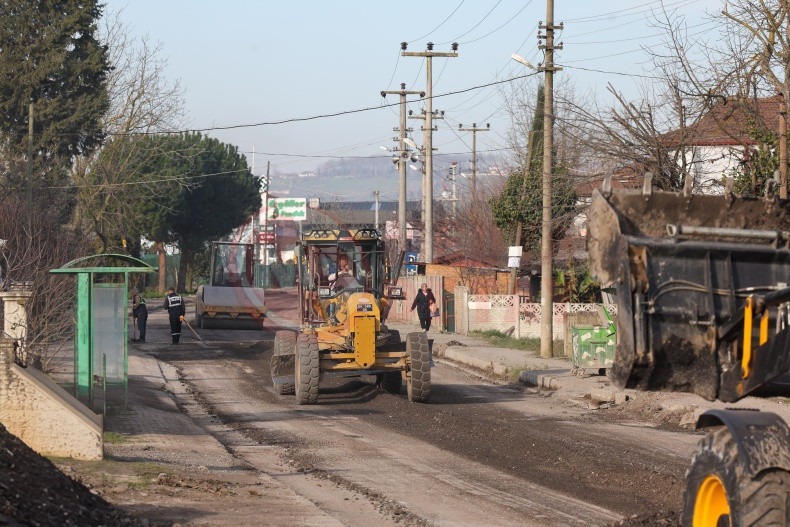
x,y
418,384
308,369
284,345
719,493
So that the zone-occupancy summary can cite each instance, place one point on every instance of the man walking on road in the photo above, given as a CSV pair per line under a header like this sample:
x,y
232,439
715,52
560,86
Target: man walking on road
x,y
176,311
140,313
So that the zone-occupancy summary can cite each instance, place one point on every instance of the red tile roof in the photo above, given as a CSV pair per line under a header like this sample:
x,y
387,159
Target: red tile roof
x,y
728,123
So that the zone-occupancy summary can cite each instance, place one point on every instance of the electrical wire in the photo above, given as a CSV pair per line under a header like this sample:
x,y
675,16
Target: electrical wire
x,y
325,115
498,28
473,27
440,24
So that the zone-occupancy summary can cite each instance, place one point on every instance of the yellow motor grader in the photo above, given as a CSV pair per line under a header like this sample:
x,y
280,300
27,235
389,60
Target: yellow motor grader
x,y
704,307
343,302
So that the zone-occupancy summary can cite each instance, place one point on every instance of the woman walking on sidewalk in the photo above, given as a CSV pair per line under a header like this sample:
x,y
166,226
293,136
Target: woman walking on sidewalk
x,y
423,302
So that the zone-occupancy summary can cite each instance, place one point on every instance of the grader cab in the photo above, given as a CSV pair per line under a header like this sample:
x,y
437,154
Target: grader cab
x,y
704,307
344,297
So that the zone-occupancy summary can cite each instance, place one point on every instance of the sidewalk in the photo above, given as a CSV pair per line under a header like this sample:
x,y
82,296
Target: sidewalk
x,y
554,377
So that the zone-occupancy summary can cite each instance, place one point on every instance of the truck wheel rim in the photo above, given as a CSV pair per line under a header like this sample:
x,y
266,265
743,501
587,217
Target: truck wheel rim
x,y
711,503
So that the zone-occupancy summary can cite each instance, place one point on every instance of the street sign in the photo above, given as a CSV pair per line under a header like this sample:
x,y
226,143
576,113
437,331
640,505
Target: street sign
x,y
265,237
294,209
514,256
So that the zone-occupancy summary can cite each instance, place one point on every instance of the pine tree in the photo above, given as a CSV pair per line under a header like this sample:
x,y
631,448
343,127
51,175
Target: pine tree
x,y
50,57
524,202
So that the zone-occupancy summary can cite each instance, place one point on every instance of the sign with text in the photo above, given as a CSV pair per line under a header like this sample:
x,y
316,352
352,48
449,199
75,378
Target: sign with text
x,y
294,209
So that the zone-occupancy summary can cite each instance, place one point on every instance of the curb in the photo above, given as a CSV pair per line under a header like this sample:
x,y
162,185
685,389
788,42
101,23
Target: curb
x,y
540,380
474,362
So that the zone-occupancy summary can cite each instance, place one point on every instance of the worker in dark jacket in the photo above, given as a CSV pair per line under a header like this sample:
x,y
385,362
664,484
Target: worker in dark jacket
x,y
140,313
176,311
423,302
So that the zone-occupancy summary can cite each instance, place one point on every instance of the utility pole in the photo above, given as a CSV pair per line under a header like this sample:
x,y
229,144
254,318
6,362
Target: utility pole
x,y
376,195
428,188
546,289
266,216
30,169
474,131
425,190
403,155
782,147
453,177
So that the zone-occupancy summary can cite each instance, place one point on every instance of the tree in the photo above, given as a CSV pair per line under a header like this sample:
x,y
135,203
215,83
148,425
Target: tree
x,y
109,182
521,199
220,195
51,59
28,250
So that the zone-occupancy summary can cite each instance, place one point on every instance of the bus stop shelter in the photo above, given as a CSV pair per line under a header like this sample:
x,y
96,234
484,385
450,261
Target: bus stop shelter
x,y
102,323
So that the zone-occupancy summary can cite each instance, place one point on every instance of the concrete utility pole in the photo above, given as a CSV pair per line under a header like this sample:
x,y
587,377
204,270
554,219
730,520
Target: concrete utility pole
x,y
376,197
266,215
30,168
546,289
782,147
403,158
428,190
425,190
474,131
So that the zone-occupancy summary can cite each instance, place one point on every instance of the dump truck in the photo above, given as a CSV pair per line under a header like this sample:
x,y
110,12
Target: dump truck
x,y
703,307
230,300
344,297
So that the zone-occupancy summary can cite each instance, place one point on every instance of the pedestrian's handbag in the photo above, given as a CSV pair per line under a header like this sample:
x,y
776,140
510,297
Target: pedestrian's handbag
x,y
434,310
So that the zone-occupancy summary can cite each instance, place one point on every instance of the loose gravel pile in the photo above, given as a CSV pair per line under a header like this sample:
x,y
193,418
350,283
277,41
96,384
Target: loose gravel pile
x,y
34,492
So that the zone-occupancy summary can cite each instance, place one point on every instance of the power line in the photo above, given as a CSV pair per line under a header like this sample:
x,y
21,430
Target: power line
x,y
325,115
440,24
473,27
500,27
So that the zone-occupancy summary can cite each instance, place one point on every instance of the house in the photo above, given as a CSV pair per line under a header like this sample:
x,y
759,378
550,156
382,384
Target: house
x,y
724,137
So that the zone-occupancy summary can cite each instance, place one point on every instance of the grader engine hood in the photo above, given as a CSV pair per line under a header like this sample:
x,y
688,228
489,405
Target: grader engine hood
x,y
683,267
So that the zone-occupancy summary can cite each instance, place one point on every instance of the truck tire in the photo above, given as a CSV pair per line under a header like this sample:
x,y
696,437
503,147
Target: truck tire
x,y
716,488
284,345
418,384
391,382
308,368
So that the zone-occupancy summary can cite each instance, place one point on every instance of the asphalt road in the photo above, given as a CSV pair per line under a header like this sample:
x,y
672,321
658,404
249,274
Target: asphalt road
x,y
481,453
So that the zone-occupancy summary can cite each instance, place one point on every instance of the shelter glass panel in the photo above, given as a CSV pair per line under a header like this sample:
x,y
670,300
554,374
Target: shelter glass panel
x,y
109,331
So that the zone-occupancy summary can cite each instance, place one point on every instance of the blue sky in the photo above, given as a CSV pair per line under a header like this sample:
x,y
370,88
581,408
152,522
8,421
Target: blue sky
x,y
244,62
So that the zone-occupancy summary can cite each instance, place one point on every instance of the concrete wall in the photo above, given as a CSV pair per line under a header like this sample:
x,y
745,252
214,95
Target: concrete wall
x,y
401,309
503,312
38,411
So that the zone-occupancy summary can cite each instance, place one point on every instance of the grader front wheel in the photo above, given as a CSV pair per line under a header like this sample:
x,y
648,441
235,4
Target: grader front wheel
x,y
719,494
308,370
418,381
283,359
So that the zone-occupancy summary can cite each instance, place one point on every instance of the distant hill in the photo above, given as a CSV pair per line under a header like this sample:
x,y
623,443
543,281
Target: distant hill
x,y
356,179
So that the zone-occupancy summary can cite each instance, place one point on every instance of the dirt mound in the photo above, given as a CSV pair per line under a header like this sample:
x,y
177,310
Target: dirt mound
x,y
34,492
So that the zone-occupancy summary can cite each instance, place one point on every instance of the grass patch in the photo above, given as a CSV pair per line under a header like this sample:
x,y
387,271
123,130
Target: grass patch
x,y
500,340
530,344
114,438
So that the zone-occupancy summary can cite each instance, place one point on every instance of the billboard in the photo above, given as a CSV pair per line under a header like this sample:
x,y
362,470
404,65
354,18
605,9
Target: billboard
x,y
286,209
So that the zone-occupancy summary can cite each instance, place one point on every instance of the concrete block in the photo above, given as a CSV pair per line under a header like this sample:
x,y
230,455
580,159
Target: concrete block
x,y
602,395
